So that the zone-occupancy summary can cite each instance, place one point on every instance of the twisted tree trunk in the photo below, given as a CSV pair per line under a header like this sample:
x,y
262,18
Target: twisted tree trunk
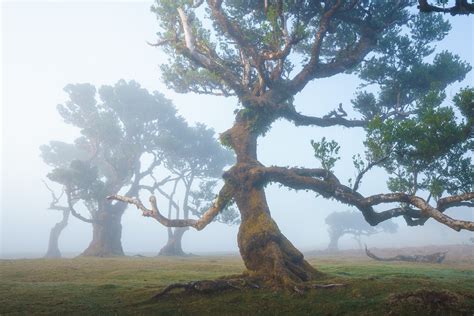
x,y
266,252
53,247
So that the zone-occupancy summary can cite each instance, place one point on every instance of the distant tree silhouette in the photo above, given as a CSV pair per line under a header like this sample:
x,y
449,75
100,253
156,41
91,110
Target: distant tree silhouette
x,y
118,125
194,160
353,223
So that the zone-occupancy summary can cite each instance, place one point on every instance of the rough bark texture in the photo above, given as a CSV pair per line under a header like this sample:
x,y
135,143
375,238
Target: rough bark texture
x,y
266,252
106,235
173,246
53,247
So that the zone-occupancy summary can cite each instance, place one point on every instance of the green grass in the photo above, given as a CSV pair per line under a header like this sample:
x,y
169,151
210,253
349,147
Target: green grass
x,y
123,285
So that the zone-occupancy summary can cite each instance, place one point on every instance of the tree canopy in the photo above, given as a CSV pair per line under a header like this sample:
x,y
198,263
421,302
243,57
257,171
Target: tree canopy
x,y
265,52
118,125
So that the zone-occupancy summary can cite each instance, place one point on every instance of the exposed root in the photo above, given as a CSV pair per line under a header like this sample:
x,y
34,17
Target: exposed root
x,y
210,286
239,283
303,288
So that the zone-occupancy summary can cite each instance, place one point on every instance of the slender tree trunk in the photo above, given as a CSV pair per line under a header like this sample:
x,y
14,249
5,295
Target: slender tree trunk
x,y
106,235
53,247
266,252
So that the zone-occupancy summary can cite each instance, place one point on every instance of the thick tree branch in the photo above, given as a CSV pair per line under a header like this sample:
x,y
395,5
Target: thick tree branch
x,y
303,120
236,34
308,71
305,179
224,197
70,204
352,55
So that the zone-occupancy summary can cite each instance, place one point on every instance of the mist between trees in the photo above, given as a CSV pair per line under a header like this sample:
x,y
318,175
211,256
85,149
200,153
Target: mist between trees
x,y
133,143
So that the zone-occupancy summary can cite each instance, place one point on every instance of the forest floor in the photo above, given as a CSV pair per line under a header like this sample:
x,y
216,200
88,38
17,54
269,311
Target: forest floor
x,y
111,286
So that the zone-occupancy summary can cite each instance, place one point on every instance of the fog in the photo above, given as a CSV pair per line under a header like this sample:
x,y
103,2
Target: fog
x,y
47,45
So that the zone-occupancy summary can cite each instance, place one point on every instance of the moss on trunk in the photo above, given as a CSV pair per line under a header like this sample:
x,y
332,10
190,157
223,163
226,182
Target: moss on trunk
x,y
266,252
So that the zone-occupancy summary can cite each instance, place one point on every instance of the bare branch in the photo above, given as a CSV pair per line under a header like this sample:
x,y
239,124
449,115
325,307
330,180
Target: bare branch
x,y
70,204
189,38
224,197
304,120
366,169
55,199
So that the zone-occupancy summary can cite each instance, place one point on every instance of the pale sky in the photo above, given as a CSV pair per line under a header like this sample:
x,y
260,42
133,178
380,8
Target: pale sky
x,y
47,45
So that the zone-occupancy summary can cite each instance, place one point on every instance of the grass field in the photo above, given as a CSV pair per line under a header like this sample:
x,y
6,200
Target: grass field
x,y
110,286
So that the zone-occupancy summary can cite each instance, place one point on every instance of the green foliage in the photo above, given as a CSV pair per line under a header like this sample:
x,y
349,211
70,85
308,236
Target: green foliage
x,y
429,150
400,70
464,101
326,152
118,124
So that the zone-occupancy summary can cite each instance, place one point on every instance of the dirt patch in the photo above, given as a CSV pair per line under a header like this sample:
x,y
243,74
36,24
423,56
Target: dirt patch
x,y
427,302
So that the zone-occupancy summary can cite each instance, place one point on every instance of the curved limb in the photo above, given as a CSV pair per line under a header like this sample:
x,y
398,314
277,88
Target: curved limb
x,y
224,197
298,178
74,213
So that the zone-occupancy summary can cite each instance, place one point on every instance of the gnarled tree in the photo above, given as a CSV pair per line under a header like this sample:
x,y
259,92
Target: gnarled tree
x,y
352,223
266,52
117,130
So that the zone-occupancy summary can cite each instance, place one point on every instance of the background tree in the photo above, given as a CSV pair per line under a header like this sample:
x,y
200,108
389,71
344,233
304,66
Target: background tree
x,y
266,52
53,243
116,132
352,223
194,160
